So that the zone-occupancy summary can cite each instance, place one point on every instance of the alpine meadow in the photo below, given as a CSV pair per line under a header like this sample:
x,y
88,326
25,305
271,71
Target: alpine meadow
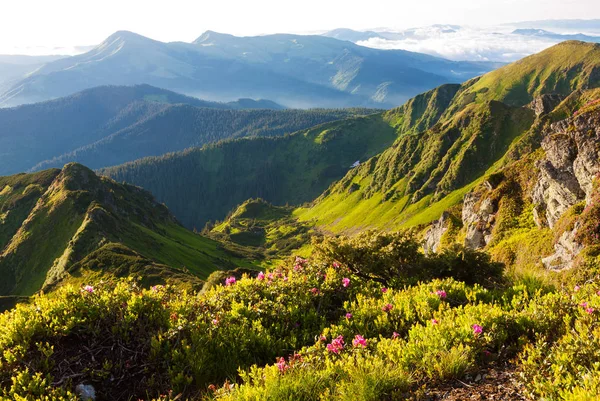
x,y
330,213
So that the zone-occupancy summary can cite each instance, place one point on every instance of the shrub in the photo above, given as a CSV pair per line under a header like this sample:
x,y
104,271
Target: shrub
x,y
395,259
388,258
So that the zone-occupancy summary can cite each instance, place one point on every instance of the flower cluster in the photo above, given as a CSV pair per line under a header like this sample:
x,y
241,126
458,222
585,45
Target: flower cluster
x,y
336,345
359,341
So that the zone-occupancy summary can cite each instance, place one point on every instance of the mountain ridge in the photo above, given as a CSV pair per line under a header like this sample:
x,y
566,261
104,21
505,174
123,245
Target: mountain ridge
x,y
149,121
319,71
65,224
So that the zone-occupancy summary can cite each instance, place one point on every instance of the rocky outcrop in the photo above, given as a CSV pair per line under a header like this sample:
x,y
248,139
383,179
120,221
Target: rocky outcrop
x,y
566,250
572,149
572,160
478,217
433,236
544,104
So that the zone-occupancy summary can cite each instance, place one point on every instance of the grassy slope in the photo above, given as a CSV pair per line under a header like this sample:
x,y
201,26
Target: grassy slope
x,y
261,228
560,69
18,195
395,191
80,213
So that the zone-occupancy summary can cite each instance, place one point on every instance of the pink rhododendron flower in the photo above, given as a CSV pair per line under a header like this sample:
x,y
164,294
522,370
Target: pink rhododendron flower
x,y
285,279
395,335
314,291
261,276
322,338
576,288
270,276
88,288
336,345
590,310
387,307
598,293
584,304
282,365
336,265
434,321
477,329
359,341
348,315
384,290
441,293
215,322
345,281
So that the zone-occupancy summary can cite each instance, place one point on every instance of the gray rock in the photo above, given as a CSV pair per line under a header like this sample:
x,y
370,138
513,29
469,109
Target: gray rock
x,y
555,192
544,104
566,250
479,221
433,236
572,161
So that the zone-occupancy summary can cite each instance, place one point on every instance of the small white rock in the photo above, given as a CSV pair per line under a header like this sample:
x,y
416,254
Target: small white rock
x,y
86,392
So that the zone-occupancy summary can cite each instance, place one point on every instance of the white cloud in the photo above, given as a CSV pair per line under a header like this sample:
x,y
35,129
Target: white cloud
x,y
465,43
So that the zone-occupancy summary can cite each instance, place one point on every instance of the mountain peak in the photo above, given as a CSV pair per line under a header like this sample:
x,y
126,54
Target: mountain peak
x,y
210,37
126,37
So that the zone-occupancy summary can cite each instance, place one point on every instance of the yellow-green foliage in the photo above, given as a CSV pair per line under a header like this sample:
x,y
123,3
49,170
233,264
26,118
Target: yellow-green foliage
x,y
309,330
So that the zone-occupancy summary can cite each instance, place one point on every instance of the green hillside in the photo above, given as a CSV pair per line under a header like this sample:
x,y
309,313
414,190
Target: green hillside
x,y
448,144
265,230
204,184
65,224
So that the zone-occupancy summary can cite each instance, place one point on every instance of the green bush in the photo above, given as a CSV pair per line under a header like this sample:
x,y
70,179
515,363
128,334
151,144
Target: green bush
x,y
395,259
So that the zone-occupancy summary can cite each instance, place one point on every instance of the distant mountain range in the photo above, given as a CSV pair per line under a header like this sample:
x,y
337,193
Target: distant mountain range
x,y
557,36
562,25
428,32
292,70
111,125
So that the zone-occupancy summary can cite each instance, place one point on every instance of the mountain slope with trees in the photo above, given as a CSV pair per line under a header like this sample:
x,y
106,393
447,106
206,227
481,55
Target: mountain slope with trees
x,y
204,184
112,125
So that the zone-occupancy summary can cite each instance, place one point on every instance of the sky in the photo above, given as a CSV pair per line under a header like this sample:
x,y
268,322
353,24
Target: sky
x,y
34,26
